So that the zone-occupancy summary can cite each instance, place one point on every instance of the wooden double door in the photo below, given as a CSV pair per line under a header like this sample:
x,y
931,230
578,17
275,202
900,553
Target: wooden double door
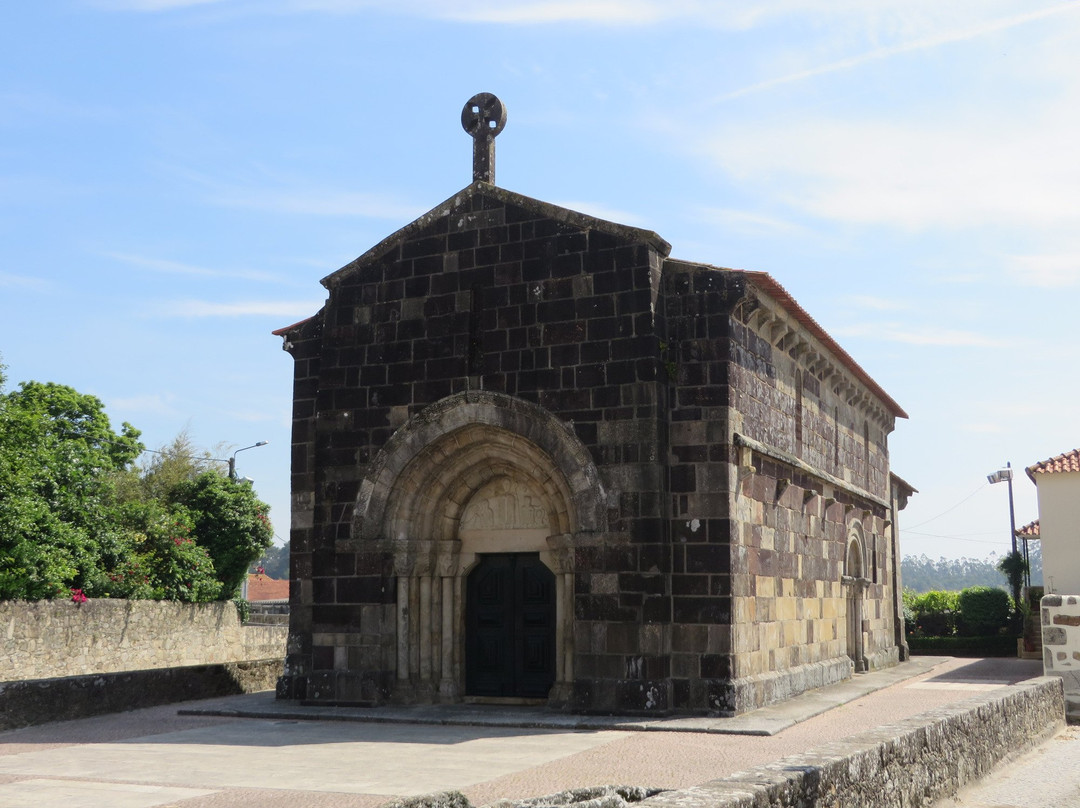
x,y
510,627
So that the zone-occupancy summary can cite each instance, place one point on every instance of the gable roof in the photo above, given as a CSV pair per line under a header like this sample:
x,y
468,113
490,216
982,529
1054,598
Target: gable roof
x,y
1063,463
458,203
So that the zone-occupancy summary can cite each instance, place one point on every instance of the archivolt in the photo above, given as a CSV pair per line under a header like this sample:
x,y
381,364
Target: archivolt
x,y
418,486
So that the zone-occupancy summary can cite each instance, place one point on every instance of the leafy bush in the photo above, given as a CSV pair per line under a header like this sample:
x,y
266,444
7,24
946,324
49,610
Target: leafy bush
x,y
983,610
935,613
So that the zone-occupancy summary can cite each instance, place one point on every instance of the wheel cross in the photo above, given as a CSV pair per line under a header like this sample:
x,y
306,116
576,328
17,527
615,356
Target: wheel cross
x,y
483,117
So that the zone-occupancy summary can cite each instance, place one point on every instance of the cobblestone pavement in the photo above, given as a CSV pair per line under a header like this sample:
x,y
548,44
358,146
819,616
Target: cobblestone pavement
x,y
1046,777
155,757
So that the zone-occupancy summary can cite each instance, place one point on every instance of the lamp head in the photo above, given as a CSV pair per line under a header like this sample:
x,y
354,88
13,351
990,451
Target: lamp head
x,y
999,476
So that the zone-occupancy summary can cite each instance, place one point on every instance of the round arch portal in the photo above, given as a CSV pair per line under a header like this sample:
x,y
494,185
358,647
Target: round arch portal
x,y
470,477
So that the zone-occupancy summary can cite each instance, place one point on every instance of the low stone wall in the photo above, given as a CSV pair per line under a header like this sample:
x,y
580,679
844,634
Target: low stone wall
x,y
911,763
752,692
42,700
1061,645
59,638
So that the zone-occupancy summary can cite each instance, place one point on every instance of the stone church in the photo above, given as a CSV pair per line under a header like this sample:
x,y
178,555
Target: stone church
x,y
537,460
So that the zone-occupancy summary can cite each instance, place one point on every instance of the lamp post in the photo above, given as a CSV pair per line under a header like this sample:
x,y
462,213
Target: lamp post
x,y
232,460
1006,475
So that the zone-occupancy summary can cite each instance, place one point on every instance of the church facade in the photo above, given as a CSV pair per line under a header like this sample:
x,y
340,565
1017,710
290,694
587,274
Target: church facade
x,y
536,459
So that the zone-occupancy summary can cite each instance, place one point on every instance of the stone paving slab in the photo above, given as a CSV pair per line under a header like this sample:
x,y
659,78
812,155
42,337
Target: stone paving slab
x,y
90,794
764,721
226,761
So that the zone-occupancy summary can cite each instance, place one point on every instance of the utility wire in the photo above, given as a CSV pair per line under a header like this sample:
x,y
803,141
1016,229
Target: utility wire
x,y
953,508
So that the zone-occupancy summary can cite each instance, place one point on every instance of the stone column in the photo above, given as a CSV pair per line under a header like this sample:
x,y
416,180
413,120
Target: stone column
x,y
447,569
560,559
402,629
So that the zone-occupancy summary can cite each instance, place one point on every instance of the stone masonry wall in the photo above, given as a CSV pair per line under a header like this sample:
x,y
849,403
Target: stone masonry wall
x,y
776,463
481,294
1061,644
916,762
811,476
58,638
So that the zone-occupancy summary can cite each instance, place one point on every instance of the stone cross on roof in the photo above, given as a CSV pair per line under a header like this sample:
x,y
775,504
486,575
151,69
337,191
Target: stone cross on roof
x,y
483,117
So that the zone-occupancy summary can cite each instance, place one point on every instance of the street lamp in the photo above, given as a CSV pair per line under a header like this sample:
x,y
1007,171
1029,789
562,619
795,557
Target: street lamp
x,y
232,460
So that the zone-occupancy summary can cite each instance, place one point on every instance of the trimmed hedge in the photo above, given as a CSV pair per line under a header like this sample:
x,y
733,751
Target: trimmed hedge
x,y
983,610
995,646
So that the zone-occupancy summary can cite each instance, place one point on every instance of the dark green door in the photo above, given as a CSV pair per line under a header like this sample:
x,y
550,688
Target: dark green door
x,y
510,627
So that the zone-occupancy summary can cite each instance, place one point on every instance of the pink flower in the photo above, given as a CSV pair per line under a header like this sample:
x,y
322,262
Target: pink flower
x,y
77,596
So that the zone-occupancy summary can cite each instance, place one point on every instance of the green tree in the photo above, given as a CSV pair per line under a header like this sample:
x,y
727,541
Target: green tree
x,y
182,485
229,521
59,458
274,562
1013,567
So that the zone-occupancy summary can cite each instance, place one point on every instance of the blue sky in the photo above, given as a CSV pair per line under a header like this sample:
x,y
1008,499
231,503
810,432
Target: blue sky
x,y
177,175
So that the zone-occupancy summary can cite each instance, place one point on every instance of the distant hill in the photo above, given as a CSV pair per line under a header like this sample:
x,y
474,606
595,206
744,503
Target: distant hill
x,y
922,574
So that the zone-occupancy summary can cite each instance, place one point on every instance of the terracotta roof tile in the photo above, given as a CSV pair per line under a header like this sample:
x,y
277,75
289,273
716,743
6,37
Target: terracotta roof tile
x,y
262,588
1070,461
1030,530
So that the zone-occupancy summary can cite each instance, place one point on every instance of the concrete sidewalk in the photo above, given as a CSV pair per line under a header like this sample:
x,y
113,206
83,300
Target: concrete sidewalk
x,y
216,758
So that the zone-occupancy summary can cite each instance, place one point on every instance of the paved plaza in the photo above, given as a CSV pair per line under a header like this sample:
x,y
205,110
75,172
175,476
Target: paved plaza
x,y
220,757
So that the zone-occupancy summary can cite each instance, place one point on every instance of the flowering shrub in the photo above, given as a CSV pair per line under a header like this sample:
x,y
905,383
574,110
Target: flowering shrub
x,y
181,569
77,596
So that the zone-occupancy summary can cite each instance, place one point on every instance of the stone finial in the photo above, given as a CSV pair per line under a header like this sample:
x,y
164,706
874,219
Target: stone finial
x,y
483,117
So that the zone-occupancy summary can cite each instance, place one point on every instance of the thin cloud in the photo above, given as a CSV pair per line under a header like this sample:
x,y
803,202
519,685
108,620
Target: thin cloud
x,y
247,308
179,268
24,282
609,12
926,335
983,428
318,202
155,404
1045,271
151,5
927,43
877,303
752,224
271,193
601,211
942,174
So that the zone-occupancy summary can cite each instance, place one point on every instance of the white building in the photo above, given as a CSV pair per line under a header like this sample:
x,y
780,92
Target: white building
x,y
1058,483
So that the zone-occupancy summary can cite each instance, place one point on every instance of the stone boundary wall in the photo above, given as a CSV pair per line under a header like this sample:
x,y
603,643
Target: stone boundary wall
x,y
1061,644
39,701
59,638
915,762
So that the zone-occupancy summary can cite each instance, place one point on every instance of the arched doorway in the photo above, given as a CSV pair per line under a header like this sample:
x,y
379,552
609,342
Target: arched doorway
x,y
479,500
856,582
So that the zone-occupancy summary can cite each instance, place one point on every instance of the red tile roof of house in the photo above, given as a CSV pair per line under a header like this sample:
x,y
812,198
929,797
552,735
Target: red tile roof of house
x,y
1070,461
1030,530
262,588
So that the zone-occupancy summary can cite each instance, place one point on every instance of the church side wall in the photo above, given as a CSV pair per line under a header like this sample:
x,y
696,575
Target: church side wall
x,y
811,475
773,470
